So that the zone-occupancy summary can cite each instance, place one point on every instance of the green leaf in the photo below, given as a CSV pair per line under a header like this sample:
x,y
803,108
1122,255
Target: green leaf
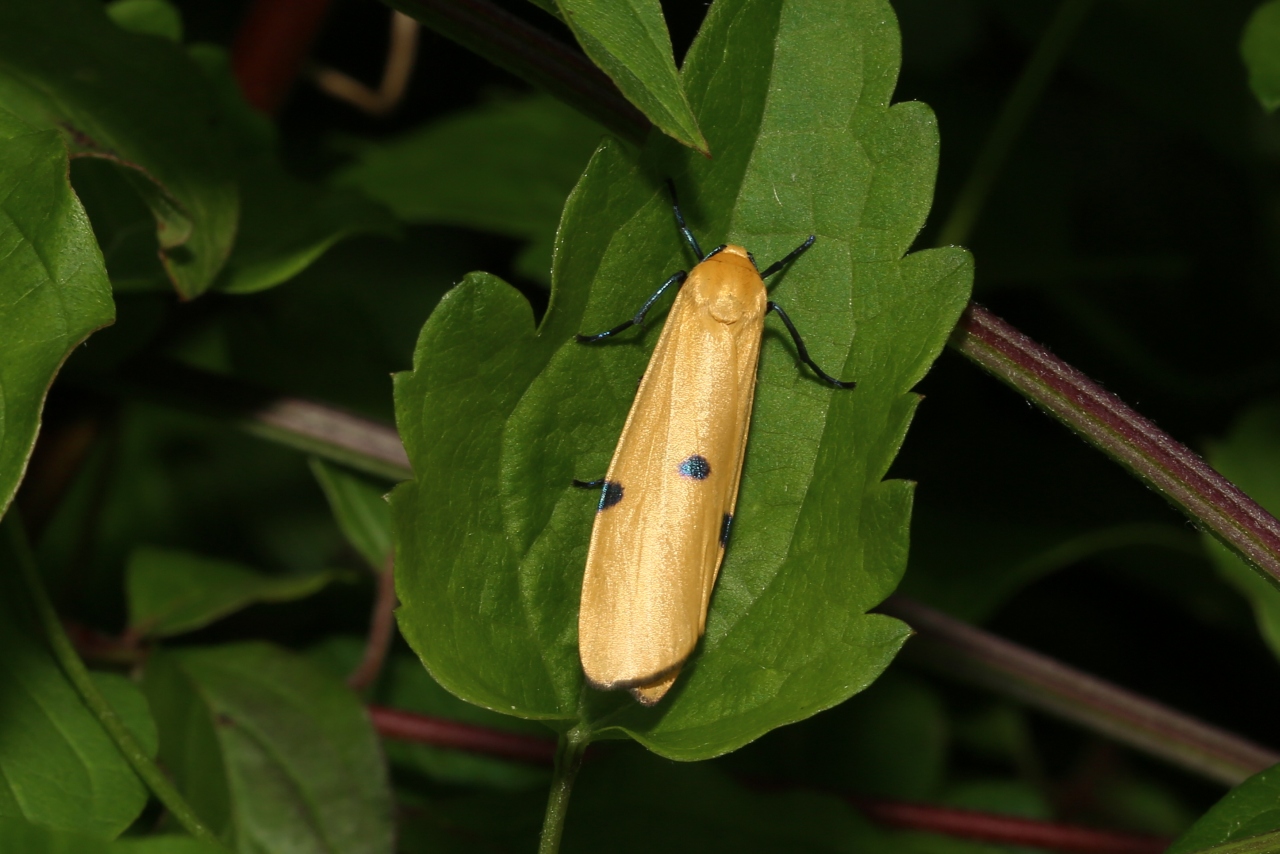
x,y
139,102
286,223
499,416
360,507
403,684
274,753
59,766
1260,47
20,837
171,592
628,39
149,17
1249,809
504,167
53,287
1250,458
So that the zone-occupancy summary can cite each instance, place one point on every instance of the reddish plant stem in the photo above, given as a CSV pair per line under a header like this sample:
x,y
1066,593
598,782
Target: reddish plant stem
x,y
531,54
960,651
382,627
1004,829
271,46
441,732
1104,421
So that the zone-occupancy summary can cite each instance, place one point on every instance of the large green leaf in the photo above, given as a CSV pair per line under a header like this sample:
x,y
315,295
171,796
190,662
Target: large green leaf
x,y
499,415
171,591
1250,458
274,753
53,287
1260,48
504,167
60,768
628,39
1249,809
137,101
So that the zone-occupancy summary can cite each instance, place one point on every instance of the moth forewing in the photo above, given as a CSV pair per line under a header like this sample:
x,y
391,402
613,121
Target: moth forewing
x,y
659,534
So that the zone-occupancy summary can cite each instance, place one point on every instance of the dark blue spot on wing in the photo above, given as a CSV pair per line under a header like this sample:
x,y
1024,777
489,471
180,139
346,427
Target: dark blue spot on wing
x,y
696,467
610,495
724,530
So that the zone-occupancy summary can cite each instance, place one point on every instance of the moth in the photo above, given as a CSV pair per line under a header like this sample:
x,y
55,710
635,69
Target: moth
x,y
667,501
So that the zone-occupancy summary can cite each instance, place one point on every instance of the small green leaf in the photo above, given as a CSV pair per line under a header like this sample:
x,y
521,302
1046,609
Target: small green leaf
x,y
53,287
172,592
360,507
139,102
60,768
149,17
1260,48
20,837
1250,458
274,753
499,416
504,167
628,39
1250,809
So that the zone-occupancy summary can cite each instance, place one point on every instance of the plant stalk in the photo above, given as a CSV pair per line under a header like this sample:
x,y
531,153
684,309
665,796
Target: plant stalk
x,y
1100,418
1013,117
956,650
79,677
569,752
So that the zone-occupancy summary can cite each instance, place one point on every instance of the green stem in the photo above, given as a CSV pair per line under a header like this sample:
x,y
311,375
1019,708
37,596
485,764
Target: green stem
x,y
79,676
569,751
1011,121
1266,843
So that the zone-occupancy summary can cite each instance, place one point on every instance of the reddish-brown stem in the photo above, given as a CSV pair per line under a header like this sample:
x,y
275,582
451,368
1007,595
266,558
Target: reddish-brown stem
x,y
271,46
1006,830
532,55
1105,422
441,732
957,650
382,627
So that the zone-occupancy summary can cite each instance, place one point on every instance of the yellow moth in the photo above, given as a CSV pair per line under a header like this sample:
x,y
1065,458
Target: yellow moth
x,y
667,501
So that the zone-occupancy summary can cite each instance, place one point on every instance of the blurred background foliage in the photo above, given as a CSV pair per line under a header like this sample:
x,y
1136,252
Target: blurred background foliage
x,y
1135,230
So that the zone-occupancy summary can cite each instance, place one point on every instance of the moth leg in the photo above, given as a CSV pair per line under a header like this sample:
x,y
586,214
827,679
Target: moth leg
x,y
803,351
791,256
684,229
588,484
677,279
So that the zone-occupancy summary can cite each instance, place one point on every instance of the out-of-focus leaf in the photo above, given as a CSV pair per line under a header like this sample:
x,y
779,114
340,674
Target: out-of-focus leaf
x,y
60,768
1260,48
149,17
1249,809
139,102
623,802
286,223
498,417
171,592
53,288
272,752
360,508
403,684
628,39
1250,458
20,837
504,167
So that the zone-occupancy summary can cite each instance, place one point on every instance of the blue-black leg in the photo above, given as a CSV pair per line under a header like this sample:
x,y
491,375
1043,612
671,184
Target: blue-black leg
x,y
803,351
791,256
588,484
677,279
684,229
